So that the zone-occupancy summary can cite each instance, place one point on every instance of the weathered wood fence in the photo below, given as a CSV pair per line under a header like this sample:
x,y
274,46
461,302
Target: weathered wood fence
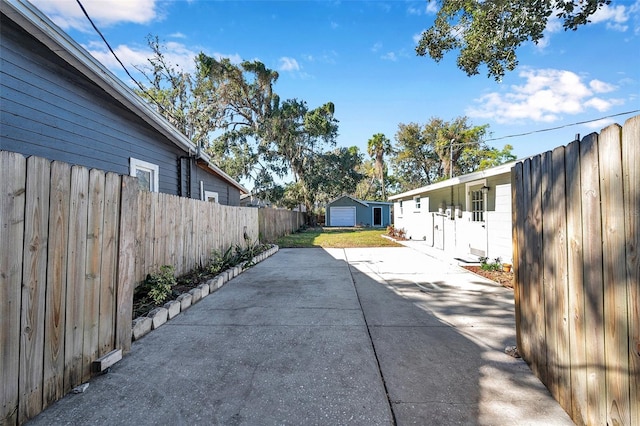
x,y
576,240
183,232
275,223
75,242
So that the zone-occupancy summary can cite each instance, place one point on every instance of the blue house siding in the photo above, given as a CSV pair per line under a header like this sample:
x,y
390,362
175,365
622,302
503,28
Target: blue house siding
x,y
51,109
364,211
367,216
227,194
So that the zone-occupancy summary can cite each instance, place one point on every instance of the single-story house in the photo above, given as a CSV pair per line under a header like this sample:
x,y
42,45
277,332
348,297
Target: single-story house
x,y
60,103
349,211
467,216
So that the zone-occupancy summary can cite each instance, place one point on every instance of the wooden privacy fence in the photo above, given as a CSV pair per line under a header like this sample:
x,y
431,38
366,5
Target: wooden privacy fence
x,y
275,223
183,232
75,242
577,272
66,289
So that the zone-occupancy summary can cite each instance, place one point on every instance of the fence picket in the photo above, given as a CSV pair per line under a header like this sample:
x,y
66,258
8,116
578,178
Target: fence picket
x,y
56,282
34,278
592,265
518,255
548,278
95,219
631,207
76,263
13,175
126,262
575,289
109,264
559,270
614,277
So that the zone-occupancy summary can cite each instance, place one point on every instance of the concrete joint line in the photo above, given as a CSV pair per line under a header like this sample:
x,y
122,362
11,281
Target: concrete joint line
x,y
373,347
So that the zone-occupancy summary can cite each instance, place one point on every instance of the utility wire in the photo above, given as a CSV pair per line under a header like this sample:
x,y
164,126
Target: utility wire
x,y
561,127
142,88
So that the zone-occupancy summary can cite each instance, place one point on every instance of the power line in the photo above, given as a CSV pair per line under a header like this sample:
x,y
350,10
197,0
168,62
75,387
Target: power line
x,y
561,127
142,88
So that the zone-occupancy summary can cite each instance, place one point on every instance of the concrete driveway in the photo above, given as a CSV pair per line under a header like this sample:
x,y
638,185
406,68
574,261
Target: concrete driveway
x,y
327,337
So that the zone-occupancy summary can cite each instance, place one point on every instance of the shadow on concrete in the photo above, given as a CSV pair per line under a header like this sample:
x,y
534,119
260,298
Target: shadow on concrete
x,y
314,336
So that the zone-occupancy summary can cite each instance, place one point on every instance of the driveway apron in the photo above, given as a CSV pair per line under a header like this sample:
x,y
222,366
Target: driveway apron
x,y
327,337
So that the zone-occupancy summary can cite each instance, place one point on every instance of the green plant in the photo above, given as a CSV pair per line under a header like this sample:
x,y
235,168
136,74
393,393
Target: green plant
x,y
159,284
485,265
220,261
233,256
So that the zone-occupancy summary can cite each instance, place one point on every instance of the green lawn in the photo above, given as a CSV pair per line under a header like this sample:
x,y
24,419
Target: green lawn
x,y
337,238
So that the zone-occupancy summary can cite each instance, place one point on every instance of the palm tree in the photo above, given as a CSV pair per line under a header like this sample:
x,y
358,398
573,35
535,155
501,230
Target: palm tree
x,y
377,147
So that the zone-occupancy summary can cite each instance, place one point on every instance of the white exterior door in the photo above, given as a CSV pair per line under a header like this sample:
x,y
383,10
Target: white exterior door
x,y
477,204
343,216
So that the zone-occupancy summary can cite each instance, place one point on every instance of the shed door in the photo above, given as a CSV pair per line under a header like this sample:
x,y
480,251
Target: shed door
x,y
343,216
377,216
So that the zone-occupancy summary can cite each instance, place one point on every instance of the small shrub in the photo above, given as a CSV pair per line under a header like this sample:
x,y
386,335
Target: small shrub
x,y
220,261
485,265
159,285
393,232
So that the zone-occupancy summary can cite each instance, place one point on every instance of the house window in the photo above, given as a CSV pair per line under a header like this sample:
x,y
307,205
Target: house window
x,y
210,196
146,173
400,206
477,205
416,200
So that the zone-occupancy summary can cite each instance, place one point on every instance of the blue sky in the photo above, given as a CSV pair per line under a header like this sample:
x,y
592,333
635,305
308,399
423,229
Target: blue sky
x,y
360,56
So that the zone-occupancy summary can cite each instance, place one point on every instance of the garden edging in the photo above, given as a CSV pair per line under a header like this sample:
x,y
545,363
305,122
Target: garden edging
x,y
157,317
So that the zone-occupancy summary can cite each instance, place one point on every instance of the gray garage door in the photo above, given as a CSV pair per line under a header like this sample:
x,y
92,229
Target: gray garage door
x,y
342,216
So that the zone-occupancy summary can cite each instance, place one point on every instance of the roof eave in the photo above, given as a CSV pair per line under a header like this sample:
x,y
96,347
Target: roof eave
x,y
38,25
494,171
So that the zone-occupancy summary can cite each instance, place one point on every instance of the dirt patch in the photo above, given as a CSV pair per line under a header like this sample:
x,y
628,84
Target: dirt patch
x,y
503,278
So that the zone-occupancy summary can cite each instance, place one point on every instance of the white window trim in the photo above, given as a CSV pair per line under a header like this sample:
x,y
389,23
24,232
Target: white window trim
x,y
135,164
210,194
467,191
417,205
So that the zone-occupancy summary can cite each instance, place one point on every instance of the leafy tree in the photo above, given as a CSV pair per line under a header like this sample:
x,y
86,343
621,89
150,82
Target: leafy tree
x,y
232,111
435,151
182,98
489,31
377,147
366,188
244,98
336,172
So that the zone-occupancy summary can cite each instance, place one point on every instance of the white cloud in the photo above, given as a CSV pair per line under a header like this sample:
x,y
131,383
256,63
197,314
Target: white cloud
x,y
67,14
601,87
288,64
176,54
432,7
327,57
389,56
598,103
545,96
599,124
614,17
376,47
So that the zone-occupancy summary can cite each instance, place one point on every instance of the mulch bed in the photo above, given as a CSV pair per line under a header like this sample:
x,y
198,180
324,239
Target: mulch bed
x,y
503,278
